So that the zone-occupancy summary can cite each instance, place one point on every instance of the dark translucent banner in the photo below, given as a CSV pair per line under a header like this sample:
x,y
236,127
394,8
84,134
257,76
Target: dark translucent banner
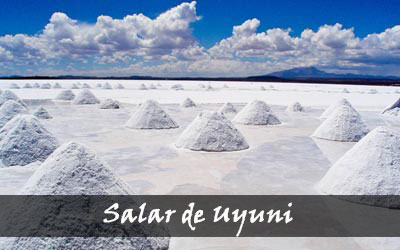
x,y
199,216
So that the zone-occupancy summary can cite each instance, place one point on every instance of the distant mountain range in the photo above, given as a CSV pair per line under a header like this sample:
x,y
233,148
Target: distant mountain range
x,y
301,74
314,73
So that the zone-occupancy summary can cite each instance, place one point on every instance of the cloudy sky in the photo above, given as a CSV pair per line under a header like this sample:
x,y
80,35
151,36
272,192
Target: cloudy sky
x,y
204,38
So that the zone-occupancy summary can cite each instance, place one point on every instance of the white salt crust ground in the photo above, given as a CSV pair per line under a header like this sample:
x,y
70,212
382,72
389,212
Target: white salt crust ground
x,y
344,124
211,131
256,113
75,170
371,167
163,169
150,115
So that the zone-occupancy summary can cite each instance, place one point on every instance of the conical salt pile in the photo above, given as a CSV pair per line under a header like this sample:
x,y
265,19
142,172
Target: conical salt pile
x,y
119,86
9,110
295,107
66,95
110,104
24,140
27,86
85,97
211,131
14,86
209,87
345,90
333,106
227,108
188,103
36,85
150,115
57,86
142,87
344,124
393,109
372,91
371,167
201,85
74,86
256,113
152,86
45,86
177,87
86,86
99,85
262,88
73,169
42,113
9,95
106,86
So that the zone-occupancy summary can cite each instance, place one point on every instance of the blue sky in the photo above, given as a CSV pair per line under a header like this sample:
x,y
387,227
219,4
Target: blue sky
x,y
197,38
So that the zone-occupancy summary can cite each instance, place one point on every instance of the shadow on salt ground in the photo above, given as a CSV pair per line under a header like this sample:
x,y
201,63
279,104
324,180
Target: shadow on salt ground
x,y
289,166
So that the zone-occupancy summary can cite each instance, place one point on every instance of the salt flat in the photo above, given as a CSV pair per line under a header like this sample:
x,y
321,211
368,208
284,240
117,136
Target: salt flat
x,y
282,159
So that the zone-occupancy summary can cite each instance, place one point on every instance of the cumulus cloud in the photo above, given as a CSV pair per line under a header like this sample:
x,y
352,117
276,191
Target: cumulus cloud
x,y
165,45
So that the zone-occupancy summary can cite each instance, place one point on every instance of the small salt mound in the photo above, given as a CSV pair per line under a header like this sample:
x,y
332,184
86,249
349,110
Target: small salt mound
x,y
372,91
142,87
57,86
256,113
177,87
86,86
85,97
9,95
394,107
227,108
119,86
295,107
27,86
209,87
42,113
333,106
211,131
9,110
74,86
14,86
345,90
36,85
344,124
99,85
73,169
188,103
109,104
152,86
150,115
371,167
45,86
106,86
66,95
201,85
24,140
262,88
226,86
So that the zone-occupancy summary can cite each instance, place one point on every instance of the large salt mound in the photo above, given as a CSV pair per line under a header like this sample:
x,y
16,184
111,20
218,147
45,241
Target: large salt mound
x,y
75,170
106,86
85,97
344,124
24,140
27,86
228,108
9,95
392,109
42,113
66,95
295,107
150,115
211,131
188,103
333,106
45,86
256,113
9,110
110,104
371,167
